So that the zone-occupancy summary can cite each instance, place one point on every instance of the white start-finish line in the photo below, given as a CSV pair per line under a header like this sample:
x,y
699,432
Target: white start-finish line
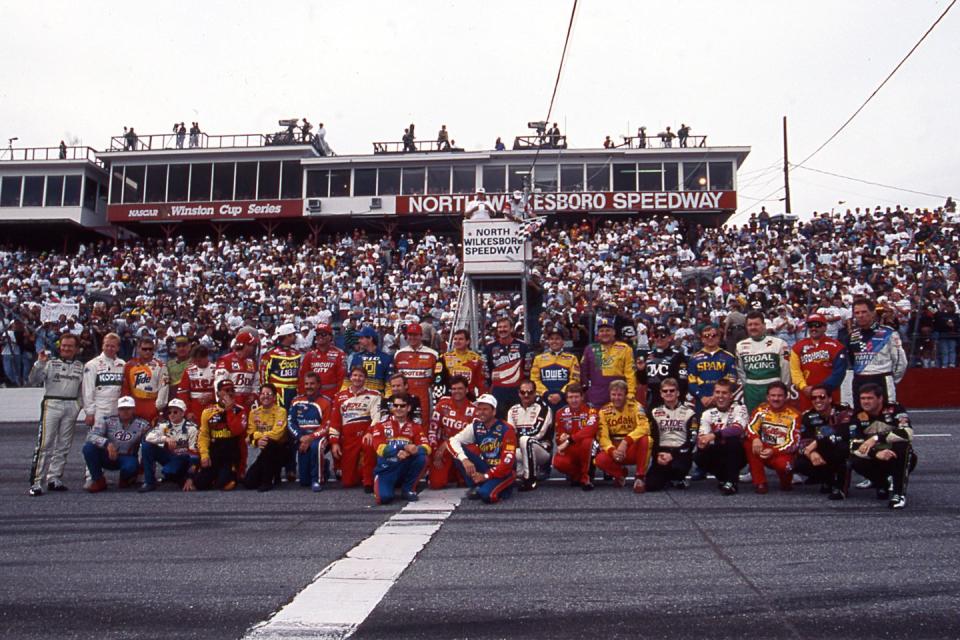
x,y
342,595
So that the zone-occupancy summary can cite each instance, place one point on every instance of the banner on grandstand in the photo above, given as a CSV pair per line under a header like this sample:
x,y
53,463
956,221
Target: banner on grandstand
x,y
51,311
580,202
494,246
221,210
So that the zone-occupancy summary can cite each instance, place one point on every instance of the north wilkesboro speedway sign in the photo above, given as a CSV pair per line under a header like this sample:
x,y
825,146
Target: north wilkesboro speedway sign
x,y
580,202
494,246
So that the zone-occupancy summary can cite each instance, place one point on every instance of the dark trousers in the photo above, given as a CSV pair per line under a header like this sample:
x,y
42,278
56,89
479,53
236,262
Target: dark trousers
x,y
723,458
267,465
406,473
224,462
492,490
834,472
877,471
175,467
659,475
97,460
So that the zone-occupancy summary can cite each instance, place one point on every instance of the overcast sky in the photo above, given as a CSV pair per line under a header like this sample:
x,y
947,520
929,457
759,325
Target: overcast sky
x,y
730,70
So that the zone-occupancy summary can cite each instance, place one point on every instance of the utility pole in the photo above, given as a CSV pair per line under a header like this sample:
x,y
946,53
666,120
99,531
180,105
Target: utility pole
x,y
786,168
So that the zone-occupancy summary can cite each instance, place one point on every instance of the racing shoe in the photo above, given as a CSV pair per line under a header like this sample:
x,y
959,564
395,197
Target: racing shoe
x,y
56,485
316,487
639,486
864,484
680,484
836,494
587,486
98,485
761,488
411,496
898,501
36,490
230,486
698,475
147,488
728,488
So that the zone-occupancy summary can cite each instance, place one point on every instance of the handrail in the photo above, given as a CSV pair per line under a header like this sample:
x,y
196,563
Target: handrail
x,y
659,140
421,146
33,154
163,141
545,141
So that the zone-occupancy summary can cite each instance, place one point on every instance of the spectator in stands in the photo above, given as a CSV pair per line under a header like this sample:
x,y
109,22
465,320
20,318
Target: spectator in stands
x,y
608,143
194,135
408,146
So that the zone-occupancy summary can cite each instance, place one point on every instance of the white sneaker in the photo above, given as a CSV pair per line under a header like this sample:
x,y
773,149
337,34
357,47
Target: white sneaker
x,y
864,484
36,490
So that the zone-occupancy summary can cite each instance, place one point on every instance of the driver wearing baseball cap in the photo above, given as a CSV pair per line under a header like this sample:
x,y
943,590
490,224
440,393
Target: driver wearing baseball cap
x,y
485,453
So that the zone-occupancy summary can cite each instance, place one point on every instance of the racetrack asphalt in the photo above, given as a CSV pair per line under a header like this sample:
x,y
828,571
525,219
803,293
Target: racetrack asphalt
x,y
553,563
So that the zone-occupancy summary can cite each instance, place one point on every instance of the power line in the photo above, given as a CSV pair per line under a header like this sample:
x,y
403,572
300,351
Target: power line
x,y
556,85
877,90
563,56
855,113
876,184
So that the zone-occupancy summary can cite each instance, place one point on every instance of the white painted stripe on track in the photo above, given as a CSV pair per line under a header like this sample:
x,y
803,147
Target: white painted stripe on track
x,y
932,435
342,595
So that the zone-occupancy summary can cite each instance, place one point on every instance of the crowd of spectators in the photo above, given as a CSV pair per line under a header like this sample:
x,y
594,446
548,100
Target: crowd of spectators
x,y
647,272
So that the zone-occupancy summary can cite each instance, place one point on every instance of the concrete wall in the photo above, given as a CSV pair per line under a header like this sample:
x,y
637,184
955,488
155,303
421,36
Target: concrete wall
x,y
21,405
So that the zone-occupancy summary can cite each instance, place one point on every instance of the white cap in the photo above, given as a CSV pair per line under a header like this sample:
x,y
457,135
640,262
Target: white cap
x,y
487,399
127,402
286,329
177,403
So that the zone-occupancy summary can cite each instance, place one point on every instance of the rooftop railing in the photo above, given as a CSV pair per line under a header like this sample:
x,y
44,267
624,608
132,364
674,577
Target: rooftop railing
x,y
32,154
416,146
163,141
661,140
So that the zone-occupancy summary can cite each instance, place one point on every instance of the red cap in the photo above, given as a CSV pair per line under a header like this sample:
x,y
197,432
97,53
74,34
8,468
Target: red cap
x,y
245,338
323,327
816,317
415,328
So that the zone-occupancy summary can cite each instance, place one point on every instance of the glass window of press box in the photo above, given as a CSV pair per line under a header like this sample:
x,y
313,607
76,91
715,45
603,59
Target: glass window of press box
x,y
494,178
156,183
200,177
649,176
464,179
246,181
694,176
291,184
178,183
545,177
268,181
339,183
438,179
721,176
388,181
624,177
413,178
516,175
571,177
33,191
223,180
364,182
54,195
598,177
